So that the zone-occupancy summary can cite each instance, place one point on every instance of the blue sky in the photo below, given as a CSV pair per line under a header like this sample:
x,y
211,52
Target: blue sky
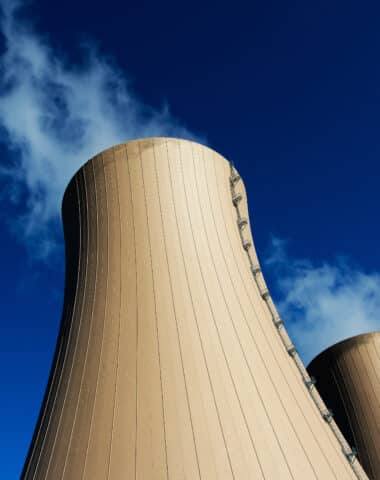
x,y
289,91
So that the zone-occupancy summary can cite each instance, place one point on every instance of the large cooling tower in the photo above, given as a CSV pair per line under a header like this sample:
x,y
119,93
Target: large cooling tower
x,y
348,377
172,361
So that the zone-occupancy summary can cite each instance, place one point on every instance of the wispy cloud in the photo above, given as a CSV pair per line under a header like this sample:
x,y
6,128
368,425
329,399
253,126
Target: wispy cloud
x,y
54,116
323,303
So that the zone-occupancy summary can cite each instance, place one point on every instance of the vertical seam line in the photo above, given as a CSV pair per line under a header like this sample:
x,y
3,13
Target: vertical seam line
x,y
234,328
137,309
119,323
155,314
197,255
175,313
194,312
104,322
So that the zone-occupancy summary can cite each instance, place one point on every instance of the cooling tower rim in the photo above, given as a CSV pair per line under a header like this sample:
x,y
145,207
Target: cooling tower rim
x,y
343,343
141,140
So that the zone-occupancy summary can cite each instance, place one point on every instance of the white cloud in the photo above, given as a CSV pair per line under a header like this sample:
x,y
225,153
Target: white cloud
x,y
55,116
323,303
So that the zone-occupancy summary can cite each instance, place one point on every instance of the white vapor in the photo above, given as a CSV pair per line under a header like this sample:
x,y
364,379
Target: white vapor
x,y
54,116
323,304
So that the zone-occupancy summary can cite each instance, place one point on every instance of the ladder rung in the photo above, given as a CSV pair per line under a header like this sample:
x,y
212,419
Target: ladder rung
x,y
234,178
242,223
278,323
351,455
328,416
265,294
292,351
255,270
247,245
237,198
310,382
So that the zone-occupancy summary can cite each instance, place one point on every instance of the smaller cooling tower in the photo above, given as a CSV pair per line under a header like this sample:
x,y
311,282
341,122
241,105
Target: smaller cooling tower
x,y
348,378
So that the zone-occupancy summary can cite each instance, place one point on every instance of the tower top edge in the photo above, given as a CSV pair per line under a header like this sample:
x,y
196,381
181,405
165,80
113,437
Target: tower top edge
x,y
146,142
344,344
157,141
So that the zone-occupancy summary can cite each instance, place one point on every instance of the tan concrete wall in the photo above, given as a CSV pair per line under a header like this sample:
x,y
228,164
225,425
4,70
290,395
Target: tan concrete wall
x,y
169,363
348,376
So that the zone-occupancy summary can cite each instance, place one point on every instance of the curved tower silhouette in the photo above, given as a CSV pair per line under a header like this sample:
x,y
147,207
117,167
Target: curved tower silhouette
x,y
348,377
172,361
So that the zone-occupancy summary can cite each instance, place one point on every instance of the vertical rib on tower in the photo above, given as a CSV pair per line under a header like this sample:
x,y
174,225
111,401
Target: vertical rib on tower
x,y
172,361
